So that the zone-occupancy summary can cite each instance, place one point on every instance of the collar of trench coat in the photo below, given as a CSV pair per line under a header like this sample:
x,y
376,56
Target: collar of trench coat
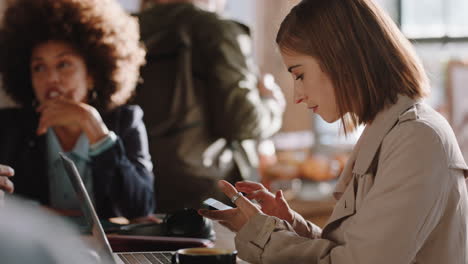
x,y
366,148
364,153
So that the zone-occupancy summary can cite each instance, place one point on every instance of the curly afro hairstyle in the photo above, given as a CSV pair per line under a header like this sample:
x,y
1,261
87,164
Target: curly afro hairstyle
x,y
101,32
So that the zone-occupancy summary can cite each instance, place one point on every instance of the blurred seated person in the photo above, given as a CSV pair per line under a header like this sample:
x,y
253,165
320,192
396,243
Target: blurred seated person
x,y
72,65
6,185
203,100
31,235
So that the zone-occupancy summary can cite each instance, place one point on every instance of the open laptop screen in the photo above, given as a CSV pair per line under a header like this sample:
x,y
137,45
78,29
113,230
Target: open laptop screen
x,y
104,249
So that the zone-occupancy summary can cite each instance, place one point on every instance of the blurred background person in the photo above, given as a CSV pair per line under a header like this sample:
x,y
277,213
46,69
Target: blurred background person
x,y
31,235
201,98
72,65
6,185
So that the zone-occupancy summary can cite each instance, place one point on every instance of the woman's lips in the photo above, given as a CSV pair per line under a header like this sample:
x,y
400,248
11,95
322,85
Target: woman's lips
x,y
52,94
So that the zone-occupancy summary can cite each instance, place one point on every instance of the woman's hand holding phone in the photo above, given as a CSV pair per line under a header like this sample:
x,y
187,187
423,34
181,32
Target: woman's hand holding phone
x,y
270,204
234,218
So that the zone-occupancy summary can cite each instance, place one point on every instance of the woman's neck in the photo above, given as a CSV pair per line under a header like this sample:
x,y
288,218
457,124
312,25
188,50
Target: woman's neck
x,y
67,136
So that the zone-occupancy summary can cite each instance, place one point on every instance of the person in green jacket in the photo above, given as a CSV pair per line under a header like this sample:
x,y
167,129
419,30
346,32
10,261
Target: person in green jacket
x,y
202,99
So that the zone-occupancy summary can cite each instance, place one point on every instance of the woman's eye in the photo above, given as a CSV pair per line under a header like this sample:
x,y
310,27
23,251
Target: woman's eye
x,y
300,77
63,64
38,68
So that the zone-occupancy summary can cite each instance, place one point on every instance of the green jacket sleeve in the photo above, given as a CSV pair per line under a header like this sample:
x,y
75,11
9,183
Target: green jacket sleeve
x,y
237,111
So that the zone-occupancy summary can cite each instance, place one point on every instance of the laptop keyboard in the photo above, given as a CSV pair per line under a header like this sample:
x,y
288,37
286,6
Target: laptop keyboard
x,y
146,258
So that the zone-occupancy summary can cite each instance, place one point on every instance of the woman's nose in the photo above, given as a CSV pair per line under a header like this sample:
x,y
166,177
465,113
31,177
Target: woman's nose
x,y
53,76
298,97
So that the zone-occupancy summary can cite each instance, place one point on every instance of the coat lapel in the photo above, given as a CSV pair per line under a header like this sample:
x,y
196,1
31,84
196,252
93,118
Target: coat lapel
x,y
361,159
374,133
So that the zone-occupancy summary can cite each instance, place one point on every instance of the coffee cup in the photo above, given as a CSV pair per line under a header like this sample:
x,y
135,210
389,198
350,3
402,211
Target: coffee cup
x,y
204,256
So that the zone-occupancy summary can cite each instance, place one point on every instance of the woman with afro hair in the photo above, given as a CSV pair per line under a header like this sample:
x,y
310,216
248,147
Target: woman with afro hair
x,y
71,66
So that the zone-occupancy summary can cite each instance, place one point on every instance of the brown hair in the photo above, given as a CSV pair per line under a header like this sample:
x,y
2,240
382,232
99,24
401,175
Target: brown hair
x,y
368,59
101,32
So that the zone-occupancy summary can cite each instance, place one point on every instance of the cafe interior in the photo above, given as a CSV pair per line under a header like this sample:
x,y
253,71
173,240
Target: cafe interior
x,y
307,155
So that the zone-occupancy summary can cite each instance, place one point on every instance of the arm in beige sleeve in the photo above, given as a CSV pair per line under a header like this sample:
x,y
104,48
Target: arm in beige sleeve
x,y
393,221
305,228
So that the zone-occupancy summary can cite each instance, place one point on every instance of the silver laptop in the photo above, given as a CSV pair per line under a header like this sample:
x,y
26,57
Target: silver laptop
x,y
103,248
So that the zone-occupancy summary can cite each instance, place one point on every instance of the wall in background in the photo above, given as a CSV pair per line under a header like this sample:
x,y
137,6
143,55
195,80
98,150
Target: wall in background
x,y
131,6
243,11
390,6
269,14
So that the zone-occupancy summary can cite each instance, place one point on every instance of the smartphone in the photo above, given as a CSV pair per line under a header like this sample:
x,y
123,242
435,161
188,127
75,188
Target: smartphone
x,y
214,204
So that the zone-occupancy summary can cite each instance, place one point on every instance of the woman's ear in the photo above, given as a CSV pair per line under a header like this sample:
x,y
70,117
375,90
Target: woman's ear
x,y
92,94
90,83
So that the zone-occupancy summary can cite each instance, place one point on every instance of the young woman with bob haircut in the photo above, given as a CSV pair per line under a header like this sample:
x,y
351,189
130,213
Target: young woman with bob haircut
x,y
402,196
72,65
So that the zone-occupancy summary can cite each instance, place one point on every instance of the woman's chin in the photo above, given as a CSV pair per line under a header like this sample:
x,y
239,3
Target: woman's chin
x,y
329,119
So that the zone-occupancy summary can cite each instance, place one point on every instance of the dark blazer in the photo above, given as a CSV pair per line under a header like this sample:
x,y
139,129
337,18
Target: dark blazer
x,y
123,179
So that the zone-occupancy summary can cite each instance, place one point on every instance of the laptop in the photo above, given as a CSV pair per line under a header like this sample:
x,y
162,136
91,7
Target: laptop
x,y
102,247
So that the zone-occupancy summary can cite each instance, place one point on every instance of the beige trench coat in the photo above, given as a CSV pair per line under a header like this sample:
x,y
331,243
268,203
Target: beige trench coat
x,y
402,199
